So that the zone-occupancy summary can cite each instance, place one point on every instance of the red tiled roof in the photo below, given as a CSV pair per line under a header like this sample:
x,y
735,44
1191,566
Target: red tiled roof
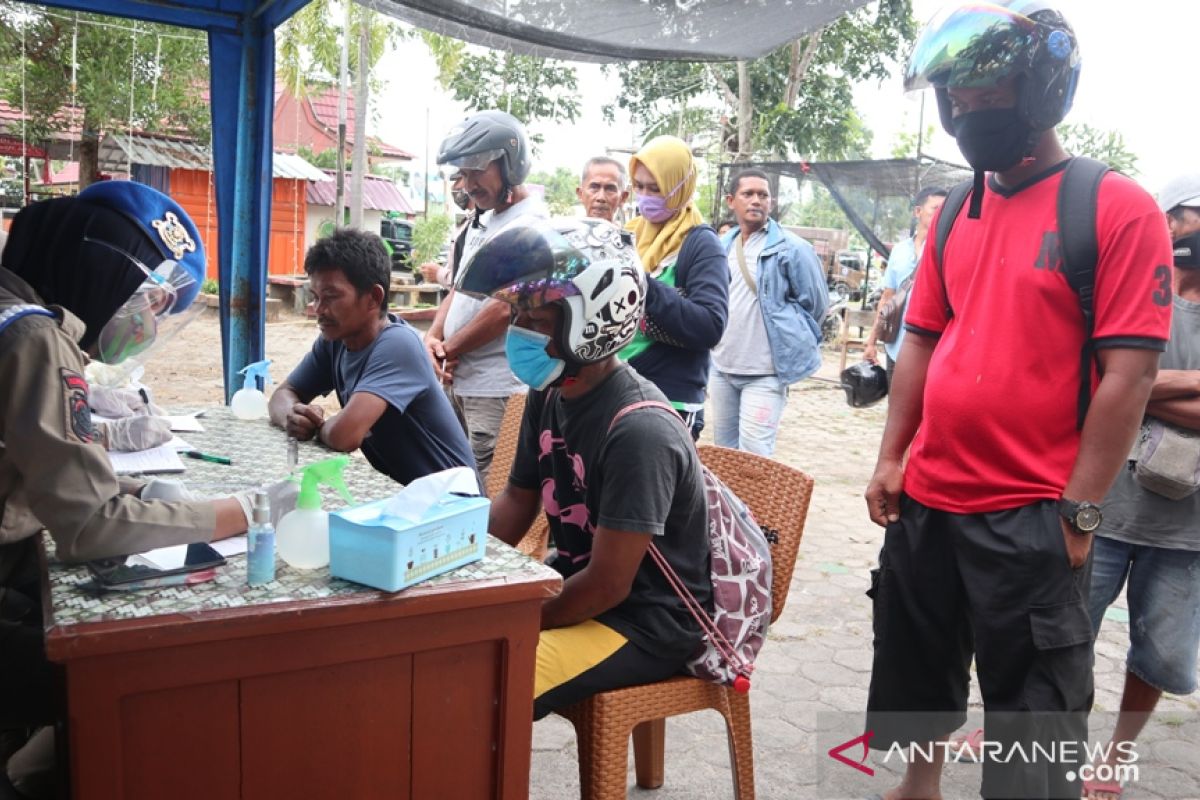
x,y
379,194
323,100
11,116
68,174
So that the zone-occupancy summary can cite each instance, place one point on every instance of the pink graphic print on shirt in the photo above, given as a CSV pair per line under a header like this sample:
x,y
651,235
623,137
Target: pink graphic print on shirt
x,y
576,514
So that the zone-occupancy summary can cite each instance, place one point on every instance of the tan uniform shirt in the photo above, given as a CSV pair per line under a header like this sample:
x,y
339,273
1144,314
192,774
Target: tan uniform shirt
x,y
52,475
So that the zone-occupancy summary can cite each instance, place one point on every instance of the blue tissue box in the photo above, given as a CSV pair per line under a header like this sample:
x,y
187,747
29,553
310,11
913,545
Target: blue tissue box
x,y
390,553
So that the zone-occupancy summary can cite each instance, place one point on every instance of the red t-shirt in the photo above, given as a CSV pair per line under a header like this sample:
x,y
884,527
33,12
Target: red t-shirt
x,y
998,420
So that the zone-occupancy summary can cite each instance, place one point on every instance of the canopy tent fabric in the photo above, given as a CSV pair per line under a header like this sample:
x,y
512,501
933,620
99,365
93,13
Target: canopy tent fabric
x,y
617,30
241,37
875,195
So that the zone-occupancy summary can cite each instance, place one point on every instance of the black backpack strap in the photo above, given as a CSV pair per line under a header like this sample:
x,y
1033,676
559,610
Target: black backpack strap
x,y
1080,250
955,200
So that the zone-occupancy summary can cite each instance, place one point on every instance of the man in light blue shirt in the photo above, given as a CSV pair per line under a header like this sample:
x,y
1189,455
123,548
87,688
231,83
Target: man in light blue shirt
x,y
901,265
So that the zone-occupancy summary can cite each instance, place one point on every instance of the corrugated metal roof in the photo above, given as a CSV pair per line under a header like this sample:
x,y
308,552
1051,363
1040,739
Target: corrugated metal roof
x,y
119,149
288,165
379,194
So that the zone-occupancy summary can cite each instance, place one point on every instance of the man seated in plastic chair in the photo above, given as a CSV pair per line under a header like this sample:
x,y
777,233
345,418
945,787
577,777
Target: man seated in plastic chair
x,y
610,482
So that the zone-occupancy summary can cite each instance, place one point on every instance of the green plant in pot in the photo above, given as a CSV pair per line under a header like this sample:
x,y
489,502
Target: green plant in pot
x,y
428,238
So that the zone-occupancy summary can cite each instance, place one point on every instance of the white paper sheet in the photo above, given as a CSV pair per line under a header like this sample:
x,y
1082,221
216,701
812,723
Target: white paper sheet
x,y
172,557
234,545
184,423
157,459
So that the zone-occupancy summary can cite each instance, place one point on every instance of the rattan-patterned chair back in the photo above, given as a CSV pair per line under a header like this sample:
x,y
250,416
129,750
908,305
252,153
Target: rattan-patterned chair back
x,y
536,540
506,444
778,497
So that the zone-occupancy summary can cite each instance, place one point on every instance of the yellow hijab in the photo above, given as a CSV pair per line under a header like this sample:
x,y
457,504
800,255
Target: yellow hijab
x,y
670,162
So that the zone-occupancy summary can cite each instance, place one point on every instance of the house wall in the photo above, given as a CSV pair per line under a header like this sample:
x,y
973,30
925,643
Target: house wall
x,y
317,215
193,190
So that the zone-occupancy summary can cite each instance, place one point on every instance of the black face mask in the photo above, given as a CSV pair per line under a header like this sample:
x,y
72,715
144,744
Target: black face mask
x,y
992,140
1187,251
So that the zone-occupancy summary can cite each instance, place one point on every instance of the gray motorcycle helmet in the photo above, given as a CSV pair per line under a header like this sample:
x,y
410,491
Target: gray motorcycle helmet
x,y
484,137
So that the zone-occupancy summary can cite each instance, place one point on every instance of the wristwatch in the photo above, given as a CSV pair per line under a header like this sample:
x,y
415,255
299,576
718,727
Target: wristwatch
x,y
1084,517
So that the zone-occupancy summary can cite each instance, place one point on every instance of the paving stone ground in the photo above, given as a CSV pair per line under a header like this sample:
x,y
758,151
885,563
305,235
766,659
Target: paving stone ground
x,y
814,670
813,673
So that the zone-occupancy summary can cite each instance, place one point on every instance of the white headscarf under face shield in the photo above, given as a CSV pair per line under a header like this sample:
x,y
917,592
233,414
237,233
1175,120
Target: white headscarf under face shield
x,y
153,314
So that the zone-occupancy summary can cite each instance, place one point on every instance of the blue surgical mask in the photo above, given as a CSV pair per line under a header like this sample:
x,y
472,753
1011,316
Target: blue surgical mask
x,y
528,359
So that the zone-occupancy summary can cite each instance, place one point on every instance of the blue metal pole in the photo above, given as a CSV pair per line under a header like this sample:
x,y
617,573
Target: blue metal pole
x,y
243,67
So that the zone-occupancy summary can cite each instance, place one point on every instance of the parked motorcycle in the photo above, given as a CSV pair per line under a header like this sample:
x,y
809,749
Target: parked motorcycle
x,y
831,326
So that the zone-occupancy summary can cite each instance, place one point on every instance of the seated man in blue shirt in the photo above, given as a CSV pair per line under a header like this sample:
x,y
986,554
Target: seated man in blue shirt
x,y
392,405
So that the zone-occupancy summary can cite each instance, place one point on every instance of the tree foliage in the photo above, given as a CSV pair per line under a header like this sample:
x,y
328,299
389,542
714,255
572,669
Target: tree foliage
x,y
430,234
1082,139
527,87
127,75
560,189
907,144
309,45
311,48
799,98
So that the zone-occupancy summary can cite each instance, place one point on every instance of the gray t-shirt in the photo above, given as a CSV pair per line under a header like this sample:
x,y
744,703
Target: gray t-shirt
x,y
1136,515
744,349
484,372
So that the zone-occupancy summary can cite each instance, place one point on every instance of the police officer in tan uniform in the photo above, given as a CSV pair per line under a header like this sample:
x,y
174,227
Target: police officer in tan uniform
x,y
107,272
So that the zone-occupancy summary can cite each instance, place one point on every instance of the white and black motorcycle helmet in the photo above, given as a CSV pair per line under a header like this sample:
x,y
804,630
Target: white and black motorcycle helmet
x,y
587,266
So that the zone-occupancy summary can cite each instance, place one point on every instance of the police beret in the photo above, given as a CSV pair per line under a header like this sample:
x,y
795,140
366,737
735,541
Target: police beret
x,y
162,220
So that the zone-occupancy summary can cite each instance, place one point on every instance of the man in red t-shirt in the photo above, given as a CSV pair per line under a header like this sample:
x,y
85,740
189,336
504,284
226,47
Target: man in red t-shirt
x,y
987,549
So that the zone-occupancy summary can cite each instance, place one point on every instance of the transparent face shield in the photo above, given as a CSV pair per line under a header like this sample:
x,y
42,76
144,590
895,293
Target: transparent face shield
x,y
153,314
971,46
525,267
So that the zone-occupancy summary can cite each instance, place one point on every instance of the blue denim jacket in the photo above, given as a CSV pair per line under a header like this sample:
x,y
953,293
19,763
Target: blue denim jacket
x,y
793,296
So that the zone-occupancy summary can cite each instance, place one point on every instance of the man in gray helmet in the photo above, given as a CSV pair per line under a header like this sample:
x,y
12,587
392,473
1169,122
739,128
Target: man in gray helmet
x,y
466,339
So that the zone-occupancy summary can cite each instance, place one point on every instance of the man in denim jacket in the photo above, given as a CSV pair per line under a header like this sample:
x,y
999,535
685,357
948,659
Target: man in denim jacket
x,y
777,299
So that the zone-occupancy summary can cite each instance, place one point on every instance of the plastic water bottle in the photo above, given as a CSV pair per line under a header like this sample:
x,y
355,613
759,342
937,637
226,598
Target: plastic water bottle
x,y
260,556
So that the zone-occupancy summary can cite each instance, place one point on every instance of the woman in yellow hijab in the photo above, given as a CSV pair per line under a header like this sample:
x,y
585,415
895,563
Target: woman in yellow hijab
x,y
687,298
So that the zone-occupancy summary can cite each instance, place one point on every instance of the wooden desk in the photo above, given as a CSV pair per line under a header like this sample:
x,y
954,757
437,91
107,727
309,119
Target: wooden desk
x,y
307,687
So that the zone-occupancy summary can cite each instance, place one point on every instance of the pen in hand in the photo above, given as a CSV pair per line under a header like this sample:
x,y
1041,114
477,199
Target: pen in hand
x,y
206,457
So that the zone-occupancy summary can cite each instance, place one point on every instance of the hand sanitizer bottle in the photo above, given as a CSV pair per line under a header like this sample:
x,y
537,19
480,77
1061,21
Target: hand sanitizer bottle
x,y
260,556
304,532
248,402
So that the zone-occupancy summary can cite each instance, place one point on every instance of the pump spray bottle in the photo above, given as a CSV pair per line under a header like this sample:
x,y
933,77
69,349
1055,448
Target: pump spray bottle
x,y
260,556
302,536
248,402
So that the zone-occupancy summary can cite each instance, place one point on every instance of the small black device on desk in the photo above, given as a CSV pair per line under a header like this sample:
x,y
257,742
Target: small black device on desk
x,y
114,573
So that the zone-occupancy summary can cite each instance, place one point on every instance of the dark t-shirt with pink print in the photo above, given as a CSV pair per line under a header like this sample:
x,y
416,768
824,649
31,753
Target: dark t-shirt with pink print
x,y
642,476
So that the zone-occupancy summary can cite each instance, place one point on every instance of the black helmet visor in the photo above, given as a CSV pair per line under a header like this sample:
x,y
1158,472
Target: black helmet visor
x,y
525,267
